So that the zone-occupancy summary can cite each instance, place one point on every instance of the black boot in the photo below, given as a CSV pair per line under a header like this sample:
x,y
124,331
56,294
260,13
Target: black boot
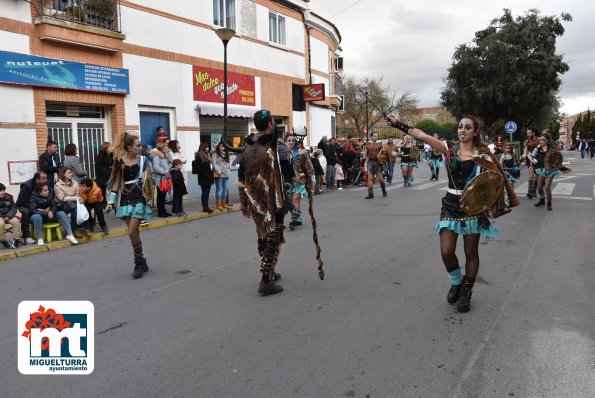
x,y
383,187
370,194
549,205
453,294
266,288
464,304
437,173
540,203
140,262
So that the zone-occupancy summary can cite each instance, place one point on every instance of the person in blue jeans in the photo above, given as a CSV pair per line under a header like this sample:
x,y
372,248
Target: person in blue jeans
x,y
221,168
43,209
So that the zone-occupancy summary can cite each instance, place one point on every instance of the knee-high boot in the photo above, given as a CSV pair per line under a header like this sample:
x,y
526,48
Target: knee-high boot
x,y
140,262
465,292
531,193
269,261
383,187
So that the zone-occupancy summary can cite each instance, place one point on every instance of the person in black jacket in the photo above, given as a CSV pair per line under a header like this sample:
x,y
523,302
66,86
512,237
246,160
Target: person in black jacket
x,y
103,167
43,209
329,149
318,171
8,215
49,162
180,190
202,168
22,203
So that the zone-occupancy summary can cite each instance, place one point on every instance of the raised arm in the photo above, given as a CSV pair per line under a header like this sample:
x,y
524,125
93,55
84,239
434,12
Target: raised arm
x,y
418,135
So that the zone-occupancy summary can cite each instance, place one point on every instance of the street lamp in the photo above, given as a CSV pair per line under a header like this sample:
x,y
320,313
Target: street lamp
x,y
367,124
225,34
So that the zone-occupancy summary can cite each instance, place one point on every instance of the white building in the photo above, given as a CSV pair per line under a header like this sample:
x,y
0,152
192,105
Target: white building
x,y
136,65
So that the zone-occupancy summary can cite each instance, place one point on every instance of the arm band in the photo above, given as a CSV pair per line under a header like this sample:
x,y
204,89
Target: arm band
x,y
402,126
112,198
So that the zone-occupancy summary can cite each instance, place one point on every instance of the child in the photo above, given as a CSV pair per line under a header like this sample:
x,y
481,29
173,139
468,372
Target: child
x,y
339,176
509,164
93,198
318,171
177,179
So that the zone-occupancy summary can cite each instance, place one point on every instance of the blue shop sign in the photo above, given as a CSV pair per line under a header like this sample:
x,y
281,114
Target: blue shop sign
x,y
31,70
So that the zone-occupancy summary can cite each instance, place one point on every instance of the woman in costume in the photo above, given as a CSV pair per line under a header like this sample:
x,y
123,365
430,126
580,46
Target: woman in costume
x,y
408,159
436,161
530,146
302,167
131,184
464,160
509,163
545,172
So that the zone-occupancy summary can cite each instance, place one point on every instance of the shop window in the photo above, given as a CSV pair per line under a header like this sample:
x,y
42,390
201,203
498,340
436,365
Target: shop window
x,y
224,13
76,111
297,97
277,28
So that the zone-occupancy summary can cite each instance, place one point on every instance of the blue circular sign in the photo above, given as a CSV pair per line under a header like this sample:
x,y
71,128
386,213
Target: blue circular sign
x,y
510,127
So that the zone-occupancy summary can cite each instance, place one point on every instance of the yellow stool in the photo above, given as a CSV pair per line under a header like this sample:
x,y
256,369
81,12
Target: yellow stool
x,y
47,231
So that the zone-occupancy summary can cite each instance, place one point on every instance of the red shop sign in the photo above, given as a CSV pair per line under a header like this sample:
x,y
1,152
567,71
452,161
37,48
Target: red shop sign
x,y
314,92
208,86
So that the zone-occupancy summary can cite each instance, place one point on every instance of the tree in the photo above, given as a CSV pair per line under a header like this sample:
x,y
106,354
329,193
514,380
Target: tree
x,y
510,72
578,125
389,100
427,125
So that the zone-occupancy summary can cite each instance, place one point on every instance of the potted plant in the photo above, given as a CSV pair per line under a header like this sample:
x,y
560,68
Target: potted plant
x,y
76,13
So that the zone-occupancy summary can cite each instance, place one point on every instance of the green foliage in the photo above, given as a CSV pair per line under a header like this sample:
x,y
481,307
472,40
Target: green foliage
x,y
427,125
554,129
386,98
578,125
510,72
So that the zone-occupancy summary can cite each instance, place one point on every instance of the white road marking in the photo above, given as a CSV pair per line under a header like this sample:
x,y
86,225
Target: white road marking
x,y
563,189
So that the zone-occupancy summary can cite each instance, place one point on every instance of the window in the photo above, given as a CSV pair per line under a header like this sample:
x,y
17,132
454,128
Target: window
x,y
224,13
276,28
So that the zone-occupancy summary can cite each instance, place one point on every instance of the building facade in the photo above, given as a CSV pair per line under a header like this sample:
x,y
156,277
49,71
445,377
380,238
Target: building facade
x,y
86,71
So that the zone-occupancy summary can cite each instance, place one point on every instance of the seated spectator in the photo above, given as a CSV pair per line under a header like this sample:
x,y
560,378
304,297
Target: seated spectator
x,y
67,197
8,215
92,196
23,202
43,209
72,161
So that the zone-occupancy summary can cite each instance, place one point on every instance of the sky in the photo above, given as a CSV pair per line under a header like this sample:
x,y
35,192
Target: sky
x,y
411,43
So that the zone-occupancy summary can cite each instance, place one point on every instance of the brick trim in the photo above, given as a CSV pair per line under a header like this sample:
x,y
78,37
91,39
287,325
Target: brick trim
x,y
188,128
17,125
14,26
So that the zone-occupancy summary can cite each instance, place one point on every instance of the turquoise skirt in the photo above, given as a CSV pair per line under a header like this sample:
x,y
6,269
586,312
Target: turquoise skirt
x,y
138,210
437,163
466,227
547,173
409,164
299,189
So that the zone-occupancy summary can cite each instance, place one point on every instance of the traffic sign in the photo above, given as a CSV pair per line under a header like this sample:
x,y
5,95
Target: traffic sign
x,y
510,127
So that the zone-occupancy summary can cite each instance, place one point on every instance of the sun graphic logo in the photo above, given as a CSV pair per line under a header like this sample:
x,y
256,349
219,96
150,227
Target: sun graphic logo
x,y
56,337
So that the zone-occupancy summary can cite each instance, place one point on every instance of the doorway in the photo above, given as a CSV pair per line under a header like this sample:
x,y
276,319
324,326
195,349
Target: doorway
x,y
149,121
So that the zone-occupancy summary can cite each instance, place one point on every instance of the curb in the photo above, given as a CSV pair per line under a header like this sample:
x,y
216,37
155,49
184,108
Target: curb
x,y
30,250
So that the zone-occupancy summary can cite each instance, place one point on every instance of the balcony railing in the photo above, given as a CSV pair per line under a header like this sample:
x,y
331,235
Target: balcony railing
x,y
103,14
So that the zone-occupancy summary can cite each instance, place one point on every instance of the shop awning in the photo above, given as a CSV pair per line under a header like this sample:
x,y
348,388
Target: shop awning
x,y
232,110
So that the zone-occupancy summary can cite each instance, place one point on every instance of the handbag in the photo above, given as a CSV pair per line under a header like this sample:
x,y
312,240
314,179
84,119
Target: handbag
x,y
165,185
68,207
216,174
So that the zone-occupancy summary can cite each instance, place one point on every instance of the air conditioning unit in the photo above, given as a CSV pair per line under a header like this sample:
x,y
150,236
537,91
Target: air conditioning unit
x,y
342,106
339,64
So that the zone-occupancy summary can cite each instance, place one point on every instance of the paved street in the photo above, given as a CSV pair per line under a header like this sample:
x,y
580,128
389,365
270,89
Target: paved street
x,y
377,326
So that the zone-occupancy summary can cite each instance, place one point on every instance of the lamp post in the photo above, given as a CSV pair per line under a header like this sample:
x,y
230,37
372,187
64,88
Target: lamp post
x,y
225,34
367,124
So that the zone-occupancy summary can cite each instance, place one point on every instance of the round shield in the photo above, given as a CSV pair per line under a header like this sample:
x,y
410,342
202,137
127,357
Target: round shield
x,y
481,193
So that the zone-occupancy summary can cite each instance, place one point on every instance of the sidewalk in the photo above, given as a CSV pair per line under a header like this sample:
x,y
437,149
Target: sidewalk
x,y
192,207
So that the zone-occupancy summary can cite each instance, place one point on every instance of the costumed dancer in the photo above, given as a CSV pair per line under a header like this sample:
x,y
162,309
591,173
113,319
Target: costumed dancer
x,y
463,161
131,181
509,163
436,161
547,162
302,167
264,169
371,152
530,146
409,154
